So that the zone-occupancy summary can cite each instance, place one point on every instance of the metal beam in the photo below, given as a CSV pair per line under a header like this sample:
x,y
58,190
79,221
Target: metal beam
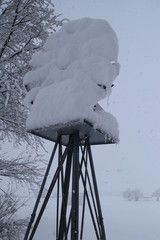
x,y
41,190
103,235
75,188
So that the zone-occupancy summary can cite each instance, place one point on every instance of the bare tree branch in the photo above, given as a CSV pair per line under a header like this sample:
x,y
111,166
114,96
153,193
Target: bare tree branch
x,y
10,227
25,25
22,168
29,22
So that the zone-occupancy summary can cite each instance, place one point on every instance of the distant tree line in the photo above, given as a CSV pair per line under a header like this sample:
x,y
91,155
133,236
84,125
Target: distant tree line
x,y
157,194
136,194
133,194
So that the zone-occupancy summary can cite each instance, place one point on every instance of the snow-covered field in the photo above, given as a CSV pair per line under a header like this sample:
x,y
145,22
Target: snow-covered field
x,y
124,220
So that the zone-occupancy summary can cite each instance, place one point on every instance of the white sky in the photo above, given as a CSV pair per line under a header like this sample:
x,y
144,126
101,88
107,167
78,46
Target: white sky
x,y
135,161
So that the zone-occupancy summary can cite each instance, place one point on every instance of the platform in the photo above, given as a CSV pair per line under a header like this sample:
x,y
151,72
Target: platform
x,y
84,127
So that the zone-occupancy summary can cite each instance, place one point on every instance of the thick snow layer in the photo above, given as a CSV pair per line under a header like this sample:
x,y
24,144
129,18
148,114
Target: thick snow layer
x,y
75,70
54,105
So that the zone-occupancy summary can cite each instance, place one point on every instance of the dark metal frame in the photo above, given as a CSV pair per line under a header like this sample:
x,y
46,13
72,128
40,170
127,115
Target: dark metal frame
x,y
75,166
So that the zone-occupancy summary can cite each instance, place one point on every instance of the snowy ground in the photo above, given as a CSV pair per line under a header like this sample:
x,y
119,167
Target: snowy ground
x,y
123,220
131,220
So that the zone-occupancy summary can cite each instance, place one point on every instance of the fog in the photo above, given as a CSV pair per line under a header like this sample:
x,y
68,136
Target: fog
x,y
134,162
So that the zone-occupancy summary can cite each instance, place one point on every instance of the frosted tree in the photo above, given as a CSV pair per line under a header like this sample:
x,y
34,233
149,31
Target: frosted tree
x,y
24,27
24,170
156,194
11,228
127,194
133,194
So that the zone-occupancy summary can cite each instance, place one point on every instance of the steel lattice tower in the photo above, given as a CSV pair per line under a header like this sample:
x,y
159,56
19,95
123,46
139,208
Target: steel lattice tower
x,y
75,166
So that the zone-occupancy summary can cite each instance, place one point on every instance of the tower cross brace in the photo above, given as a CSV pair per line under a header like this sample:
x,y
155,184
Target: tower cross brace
x,y
75,168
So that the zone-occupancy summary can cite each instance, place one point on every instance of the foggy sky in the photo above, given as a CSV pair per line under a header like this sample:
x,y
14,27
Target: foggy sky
x,y
135,161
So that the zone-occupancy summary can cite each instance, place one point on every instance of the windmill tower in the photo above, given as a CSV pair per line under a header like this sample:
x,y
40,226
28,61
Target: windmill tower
x,y
75,71
75,166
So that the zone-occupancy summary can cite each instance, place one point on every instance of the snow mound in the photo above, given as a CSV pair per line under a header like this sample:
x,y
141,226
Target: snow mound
x,y
73,72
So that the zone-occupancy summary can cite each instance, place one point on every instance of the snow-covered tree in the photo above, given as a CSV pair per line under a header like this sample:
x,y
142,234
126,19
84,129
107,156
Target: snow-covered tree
x,y
127,194
24,170
11,228
24,27
133,194
156,194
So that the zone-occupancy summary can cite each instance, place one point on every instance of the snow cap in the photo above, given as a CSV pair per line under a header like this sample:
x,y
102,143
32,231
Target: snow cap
x,y
75,70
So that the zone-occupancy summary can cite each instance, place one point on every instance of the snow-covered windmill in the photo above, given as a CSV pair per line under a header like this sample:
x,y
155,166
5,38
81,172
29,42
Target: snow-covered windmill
x,y
73,72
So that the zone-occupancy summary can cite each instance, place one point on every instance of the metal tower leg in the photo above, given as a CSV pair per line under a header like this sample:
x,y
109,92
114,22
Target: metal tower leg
x,y
75,188
65,192
72,170
101,224
41,190
53,182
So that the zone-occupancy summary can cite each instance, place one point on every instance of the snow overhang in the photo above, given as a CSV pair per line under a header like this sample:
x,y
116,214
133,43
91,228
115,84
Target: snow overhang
x,y
84,127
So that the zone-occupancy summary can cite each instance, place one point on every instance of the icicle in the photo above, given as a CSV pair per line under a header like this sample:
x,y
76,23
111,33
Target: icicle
x,y
108,100
7,99
105,138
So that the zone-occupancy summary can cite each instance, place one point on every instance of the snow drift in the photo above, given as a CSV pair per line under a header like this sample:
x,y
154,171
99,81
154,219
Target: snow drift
x,y
73,72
